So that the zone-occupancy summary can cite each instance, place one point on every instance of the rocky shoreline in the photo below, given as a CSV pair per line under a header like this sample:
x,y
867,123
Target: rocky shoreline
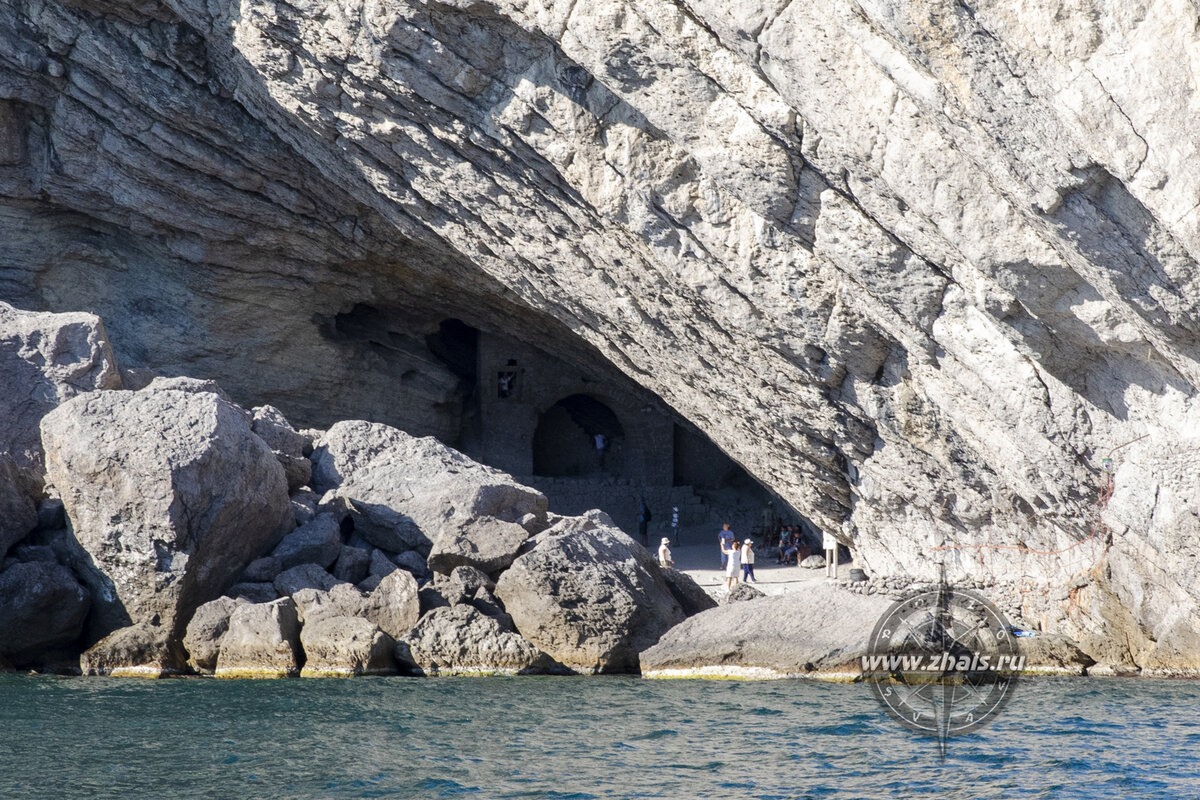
x,y
166,530
155,528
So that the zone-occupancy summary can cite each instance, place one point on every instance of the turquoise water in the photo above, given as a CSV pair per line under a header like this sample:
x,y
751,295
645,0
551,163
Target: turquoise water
x,y
579,738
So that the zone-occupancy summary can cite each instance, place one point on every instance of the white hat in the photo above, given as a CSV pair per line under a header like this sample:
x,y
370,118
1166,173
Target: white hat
x,y
666,540
749,542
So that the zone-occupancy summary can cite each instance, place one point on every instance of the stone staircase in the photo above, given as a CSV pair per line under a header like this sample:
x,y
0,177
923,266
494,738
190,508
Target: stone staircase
x,y
620,498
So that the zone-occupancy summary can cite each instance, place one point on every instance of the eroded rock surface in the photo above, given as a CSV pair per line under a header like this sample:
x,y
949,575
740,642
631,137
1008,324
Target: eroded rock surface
x,y
140,650
169,493
204,634
343,647
317,542
394,605
45,360
263,641
459,640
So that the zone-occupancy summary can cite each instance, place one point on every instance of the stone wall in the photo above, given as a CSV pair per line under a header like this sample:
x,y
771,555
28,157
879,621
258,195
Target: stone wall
x,y
508,421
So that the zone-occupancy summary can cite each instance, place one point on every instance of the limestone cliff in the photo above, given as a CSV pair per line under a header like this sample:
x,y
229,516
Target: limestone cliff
x,y
918,266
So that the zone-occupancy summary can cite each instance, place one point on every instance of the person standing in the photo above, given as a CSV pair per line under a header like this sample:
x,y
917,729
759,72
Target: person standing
x,y
725,540
734,554
664,554
748,561
644,523
768,523
830,545
675,524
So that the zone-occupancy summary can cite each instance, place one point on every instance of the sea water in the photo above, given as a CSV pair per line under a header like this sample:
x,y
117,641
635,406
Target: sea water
x,y
580,738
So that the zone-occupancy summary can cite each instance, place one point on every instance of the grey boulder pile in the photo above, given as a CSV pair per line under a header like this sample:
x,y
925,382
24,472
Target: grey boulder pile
x,y
410,493
168,530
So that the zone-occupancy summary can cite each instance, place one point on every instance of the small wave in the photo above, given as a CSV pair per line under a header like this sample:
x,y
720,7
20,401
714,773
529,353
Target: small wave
x,y
661,733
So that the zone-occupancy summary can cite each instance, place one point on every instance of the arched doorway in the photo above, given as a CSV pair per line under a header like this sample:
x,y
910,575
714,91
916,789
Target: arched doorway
x,y
565,440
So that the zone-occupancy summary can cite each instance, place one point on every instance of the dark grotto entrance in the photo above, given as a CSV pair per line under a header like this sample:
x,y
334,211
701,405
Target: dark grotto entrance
x,y
579,436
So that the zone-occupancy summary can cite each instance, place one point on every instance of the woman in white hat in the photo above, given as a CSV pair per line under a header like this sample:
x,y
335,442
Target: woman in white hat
x,y
748,561
664,554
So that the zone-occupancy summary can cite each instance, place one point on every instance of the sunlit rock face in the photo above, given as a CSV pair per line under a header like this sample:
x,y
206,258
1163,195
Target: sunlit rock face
x,y
918,267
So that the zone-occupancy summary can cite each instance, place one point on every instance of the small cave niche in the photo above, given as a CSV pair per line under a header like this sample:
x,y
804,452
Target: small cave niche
x,y
579,436
13,119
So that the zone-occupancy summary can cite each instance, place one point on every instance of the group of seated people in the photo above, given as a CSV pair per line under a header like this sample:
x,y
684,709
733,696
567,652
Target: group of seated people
x,y
792,545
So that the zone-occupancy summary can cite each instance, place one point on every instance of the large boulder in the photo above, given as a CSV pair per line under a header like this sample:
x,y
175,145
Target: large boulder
x,y
413,493
263,641
140,650
459,640
488,544
273,428
380,565
42,606
45,360
414,562
316,542
589,596
340,647
395,604
205,632
170,494
821,631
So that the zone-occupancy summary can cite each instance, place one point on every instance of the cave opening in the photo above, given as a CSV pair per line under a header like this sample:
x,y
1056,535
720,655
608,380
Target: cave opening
x,y
456,344
577,437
